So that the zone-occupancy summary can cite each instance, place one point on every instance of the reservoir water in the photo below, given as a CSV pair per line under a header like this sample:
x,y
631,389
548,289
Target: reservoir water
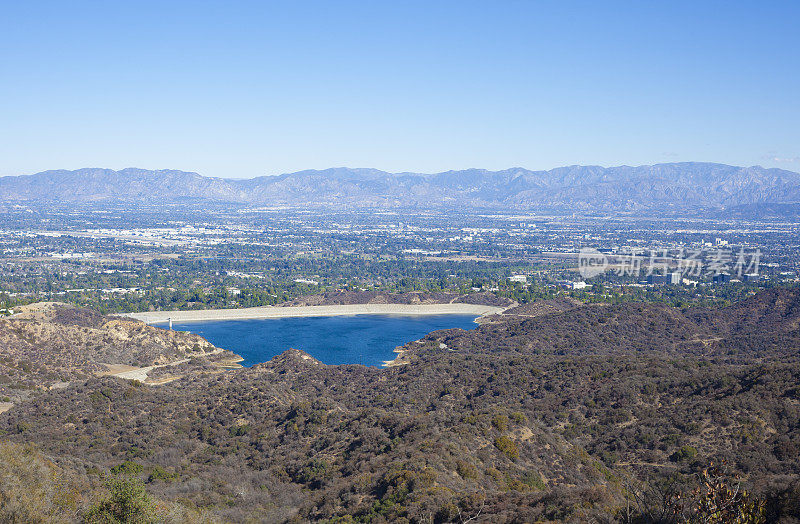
x,y
358,339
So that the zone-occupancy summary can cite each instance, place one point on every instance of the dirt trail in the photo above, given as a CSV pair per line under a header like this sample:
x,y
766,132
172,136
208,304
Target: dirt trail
x,y
140,374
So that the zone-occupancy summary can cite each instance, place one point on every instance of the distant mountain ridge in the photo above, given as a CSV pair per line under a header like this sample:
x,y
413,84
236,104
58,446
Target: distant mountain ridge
x,y
581,188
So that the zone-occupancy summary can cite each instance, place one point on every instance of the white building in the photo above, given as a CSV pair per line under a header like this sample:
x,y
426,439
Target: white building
x,y
568,284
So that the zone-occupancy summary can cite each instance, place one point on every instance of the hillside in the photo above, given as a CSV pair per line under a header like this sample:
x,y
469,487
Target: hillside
x,y
50,345
551,413
679,186
763,328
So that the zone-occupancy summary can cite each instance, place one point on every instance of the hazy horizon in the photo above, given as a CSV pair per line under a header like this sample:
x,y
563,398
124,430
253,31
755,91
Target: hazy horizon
x,y
400,172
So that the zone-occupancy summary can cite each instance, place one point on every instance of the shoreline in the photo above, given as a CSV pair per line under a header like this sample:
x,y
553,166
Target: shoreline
x,y
396,361
266,312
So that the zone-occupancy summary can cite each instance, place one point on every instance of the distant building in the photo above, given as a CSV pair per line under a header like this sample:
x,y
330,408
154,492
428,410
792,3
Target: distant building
x,y
416,251
671,279
518,278
721,278
568,284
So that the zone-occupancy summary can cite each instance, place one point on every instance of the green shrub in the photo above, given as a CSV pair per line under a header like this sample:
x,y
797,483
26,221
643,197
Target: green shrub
x,y
470,419
518,417
159,473
533,480
500,422
239,430
127,468
466,470
684,453
495,474
507,446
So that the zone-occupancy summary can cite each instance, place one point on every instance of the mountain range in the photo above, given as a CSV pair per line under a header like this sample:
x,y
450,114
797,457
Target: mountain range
x,y
675,186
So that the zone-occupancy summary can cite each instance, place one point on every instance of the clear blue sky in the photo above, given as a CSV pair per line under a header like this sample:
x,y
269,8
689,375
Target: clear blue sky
x,y
242,89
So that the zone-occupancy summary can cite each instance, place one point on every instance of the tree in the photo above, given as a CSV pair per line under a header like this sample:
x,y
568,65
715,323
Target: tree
x,y
128,503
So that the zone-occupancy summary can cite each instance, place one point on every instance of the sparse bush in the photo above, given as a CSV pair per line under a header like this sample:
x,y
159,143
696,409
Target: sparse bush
x,y
500,422
33,489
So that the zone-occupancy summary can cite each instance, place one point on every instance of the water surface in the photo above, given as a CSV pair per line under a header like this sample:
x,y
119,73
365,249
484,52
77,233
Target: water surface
x,y
356,339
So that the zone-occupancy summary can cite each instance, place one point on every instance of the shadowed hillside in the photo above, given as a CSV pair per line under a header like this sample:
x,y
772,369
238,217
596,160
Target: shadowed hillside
x,y
764,328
